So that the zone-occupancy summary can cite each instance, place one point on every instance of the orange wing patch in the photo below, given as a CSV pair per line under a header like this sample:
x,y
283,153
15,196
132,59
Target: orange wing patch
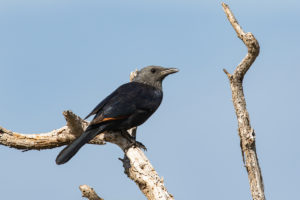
x,y
112,118
101,119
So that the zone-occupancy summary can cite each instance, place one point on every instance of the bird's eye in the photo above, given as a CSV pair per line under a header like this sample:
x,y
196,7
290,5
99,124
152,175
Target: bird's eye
x,y
153,70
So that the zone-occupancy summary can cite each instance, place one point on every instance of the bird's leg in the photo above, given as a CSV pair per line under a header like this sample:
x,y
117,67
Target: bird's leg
x,y
132,141
132,132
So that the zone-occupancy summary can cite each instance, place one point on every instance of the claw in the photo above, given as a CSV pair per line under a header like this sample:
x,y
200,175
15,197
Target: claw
x,y
139,145
136,144
133,142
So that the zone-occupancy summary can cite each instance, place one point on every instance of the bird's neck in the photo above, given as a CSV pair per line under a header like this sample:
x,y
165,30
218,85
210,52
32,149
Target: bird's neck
x,y
155,84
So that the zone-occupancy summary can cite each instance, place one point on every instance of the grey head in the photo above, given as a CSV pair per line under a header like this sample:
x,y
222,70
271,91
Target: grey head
x,y
153,75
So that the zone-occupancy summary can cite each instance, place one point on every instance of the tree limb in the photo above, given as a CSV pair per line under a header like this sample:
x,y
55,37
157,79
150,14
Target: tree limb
x,y
89,193
56,138
246,133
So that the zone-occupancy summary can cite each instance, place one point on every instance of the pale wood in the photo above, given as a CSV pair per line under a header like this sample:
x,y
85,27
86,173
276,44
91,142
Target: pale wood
x,y
58,137
89,193
246,132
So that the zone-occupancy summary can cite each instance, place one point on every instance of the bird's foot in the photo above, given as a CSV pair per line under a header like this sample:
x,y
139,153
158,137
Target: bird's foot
x,y
133,142
139,145
136,144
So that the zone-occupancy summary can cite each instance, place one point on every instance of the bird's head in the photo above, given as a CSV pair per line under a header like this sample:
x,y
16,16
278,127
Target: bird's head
x,y
153,75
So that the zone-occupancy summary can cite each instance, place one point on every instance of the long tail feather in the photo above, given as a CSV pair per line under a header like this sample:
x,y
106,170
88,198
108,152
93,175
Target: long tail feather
x,y
68,152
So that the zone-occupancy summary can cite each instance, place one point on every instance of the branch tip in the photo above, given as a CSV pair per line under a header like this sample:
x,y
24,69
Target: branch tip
x,y
70,116
89,193
234,23
224,5
227,73
75,123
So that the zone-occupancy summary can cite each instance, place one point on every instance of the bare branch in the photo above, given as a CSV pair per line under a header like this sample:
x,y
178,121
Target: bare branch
x,y
139,169
55,138
75,124
250,42
89,193
246,133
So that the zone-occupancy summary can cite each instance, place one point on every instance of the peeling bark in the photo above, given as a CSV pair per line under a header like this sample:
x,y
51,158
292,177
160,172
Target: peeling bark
x,y
246,132
139,169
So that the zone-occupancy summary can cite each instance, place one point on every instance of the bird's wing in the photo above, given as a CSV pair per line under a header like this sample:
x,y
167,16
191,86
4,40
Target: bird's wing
x,y
125,101
101,104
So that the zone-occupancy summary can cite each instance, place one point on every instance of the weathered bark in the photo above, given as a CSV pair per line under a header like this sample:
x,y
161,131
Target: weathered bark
x,y
89,193
136,165
246,133
138,168
56,138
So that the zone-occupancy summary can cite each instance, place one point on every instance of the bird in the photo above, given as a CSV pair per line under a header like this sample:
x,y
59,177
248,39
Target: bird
x,y
130,105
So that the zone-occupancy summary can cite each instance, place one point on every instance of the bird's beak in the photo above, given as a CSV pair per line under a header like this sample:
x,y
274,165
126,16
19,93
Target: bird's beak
x,y
168,71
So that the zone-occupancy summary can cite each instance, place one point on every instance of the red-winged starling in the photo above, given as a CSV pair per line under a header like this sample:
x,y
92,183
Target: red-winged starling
x,y
128,106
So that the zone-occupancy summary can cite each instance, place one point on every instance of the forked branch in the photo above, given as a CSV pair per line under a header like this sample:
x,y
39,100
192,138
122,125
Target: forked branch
x,y
246,133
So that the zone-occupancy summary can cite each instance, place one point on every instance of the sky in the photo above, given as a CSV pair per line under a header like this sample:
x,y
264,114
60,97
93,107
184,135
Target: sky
x,y
68,55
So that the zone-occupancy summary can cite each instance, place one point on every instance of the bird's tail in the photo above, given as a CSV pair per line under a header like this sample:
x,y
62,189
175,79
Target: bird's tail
x,y
68,152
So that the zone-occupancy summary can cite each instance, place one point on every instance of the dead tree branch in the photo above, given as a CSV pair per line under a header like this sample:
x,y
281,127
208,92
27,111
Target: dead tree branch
x,y
89,193
246,133
56,138
136,165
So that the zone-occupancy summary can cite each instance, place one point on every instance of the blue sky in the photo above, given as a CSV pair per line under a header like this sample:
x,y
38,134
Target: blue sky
x,y
60,55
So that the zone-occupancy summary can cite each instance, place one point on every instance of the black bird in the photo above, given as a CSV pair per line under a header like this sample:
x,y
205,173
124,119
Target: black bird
x,y
128,106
